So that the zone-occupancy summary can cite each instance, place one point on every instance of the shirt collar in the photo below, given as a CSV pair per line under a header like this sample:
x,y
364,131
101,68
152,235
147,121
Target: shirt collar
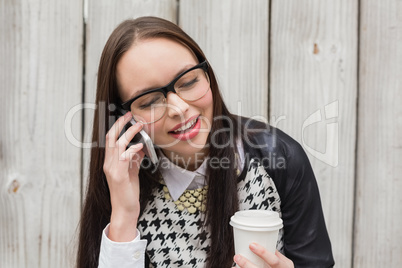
x,y
178,179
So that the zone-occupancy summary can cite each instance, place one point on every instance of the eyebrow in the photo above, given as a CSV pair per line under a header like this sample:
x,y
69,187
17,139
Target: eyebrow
x,y
182,70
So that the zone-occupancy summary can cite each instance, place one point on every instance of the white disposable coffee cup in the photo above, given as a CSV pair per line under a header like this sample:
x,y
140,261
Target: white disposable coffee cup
x,y
255,226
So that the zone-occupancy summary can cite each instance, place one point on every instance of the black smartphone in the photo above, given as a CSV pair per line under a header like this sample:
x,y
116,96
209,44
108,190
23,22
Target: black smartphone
x,y
142,137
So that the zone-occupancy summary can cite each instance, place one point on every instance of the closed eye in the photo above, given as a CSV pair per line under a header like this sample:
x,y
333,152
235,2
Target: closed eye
x,y
189,84
153,101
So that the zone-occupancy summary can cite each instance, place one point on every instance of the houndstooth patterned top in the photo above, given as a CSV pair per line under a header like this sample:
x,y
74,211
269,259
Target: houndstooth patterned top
x,y
176,238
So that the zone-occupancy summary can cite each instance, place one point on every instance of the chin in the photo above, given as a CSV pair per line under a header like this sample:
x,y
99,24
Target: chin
x,y
187,148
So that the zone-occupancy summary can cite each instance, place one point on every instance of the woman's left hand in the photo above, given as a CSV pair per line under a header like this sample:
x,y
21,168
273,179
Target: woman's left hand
x,y
276,260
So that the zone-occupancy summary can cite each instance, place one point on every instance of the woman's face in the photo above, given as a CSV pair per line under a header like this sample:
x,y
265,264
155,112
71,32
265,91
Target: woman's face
x,y
153,63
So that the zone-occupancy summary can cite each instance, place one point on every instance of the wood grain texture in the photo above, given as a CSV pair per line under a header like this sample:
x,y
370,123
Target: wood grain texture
x,y
234,36
378,228
41,80
103,18
313,91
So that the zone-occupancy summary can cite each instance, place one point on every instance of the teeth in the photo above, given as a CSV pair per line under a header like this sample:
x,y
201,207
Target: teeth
x,y
186,126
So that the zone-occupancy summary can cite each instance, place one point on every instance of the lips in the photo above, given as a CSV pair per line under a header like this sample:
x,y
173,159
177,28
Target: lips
x,y
182,127
187,130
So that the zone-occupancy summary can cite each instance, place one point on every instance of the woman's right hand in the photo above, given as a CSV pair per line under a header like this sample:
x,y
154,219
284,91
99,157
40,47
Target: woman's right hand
x,y
121,167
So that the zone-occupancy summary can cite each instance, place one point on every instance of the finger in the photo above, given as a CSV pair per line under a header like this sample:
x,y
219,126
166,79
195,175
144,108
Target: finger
x,y
243,262
127,136
137,152
135,162
130,152
136,155
284,259
266,255
117,127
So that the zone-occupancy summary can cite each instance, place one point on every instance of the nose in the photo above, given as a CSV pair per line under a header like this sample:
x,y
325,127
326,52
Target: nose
x,y
176,105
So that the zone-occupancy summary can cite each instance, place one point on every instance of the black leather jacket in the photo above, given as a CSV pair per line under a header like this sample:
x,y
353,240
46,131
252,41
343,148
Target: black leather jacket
x,y
306,241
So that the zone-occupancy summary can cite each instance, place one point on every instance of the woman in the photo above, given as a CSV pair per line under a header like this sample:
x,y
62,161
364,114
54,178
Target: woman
x,y
211,164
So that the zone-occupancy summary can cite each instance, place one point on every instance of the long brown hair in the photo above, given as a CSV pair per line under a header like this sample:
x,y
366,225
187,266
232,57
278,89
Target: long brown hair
x,y
222,199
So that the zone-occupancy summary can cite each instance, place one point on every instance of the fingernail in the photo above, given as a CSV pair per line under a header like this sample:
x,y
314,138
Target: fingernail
x,y
127,115
237,258
253,246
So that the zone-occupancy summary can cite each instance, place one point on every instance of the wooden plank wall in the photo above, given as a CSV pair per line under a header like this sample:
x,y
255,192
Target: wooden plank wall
x,y
313,82
378,225
326,72
40,180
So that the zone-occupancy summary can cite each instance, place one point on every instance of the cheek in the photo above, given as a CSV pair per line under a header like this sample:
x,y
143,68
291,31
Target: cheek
x,y
147,129
206,102
206,105
154,129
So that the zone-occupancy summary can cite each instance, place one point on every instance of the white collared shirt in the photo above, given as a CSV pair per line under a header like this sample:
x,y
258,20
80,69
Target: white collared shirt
x,y
178,179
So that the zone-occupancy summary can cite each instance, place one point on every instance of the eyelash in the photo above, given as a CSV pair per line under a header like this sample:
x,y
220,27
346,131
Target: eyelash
x,y
190,83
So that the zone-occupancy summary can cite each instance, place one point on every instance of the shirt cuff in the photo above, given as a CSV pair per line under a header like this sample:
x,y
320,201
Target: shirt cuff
x,y
122,254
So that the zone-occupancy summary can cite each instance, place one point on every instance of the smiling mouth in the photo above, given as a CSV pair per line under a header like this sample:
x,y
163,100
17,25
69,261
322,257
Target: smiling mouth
x,y
186,127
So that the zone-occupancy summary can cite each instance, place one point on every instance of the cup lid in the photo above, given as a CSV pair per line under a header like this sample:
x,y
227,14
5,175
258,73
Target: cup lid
x,y
257,219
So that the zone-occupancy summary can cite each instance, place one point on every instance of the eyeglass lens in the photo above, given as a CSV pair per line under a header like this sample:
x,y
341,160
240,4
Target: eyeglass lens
x,y
151,107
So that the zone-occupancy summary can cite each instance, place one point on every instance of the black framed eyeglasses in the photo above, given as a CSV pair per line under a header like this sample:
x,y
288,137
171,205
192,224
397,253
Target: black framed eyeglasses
x,y
150,106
